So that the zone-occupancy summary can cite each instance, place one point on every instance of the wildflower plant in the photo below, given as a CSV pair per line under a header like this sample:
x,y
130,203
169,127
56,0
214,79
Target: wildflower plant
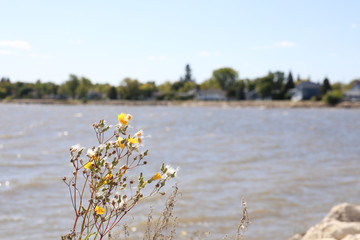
x,y
101,188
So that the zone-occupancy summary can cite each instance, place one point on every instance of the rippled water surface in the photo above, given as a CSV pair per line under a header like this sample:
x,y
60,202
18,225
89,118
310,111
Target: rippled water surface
x,y
291,165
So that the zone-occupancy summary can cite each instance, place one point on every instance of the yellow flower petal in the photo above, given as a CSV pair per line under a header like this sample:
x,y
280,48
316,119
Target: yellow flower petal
x,y
99,210
88,165
122,146
123,119
133,140
156,176
109,176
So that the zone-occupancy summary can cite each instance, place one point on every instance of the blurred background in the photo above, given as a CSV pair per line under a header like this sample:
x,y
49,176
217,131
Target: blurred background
x,y
290,165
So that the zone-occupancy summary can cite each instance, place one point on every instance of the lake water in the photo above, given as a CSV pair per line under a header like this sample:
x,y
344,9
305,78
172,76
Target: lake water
x,y
291,165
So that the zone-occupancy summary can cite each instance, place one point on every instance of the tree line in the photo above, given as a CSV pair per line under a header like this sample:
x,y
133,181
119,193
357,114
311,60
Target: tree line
x,y
274,85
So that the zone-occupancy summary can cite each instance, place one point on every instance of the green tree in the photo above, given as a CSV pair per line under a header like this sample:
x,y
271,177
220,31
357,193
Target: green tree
x,y
210,84
289,85
165,91
102,88
112,93
82,90
332,97
264,85
226,77
188,86
250,85
187,77
177,85
147,90
130,89
338,86
72,84
68,88
278,86
236,92
7,86
325,87
2,92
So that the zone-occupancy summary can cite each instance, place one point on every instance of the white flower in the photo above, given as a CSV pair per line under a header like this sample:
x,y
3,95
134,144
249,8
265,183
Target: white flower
x,y
90,153
115,205
100,148
76,148
139,133
170,171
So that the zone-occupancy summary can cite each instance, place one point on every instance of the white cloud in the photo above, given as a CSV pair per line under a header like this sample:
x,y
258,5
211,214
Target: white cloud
x,y
22,45
354,26
7,52
204,53
285,44
162,57
43,56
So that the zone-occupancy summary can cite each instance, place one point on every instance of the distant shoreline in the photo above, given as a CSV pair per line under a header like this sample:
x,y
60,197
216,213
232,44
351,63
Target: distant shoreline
x,y
264,104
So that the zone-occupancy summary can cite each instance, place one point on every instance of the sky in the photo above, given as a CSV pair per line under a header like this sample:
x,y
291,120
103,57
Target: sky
x,y
107,41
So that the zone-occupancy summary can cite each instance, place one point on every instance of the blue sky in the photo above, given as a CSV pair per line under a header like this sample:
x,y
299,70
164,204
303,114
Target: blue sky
x,y
107,41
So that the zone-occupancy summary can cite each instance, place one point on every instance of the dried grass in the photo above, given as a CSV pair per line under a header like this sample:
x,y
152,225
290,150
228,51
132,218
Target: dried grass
x,y
164,227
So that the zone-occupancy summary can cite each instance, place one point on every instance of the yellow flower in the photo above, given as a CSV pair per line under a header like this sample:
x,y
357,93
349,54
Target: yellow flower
x,y
133,140
99,210
88,165
109,176
183,233
156,176
124,118
121,118
119,142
